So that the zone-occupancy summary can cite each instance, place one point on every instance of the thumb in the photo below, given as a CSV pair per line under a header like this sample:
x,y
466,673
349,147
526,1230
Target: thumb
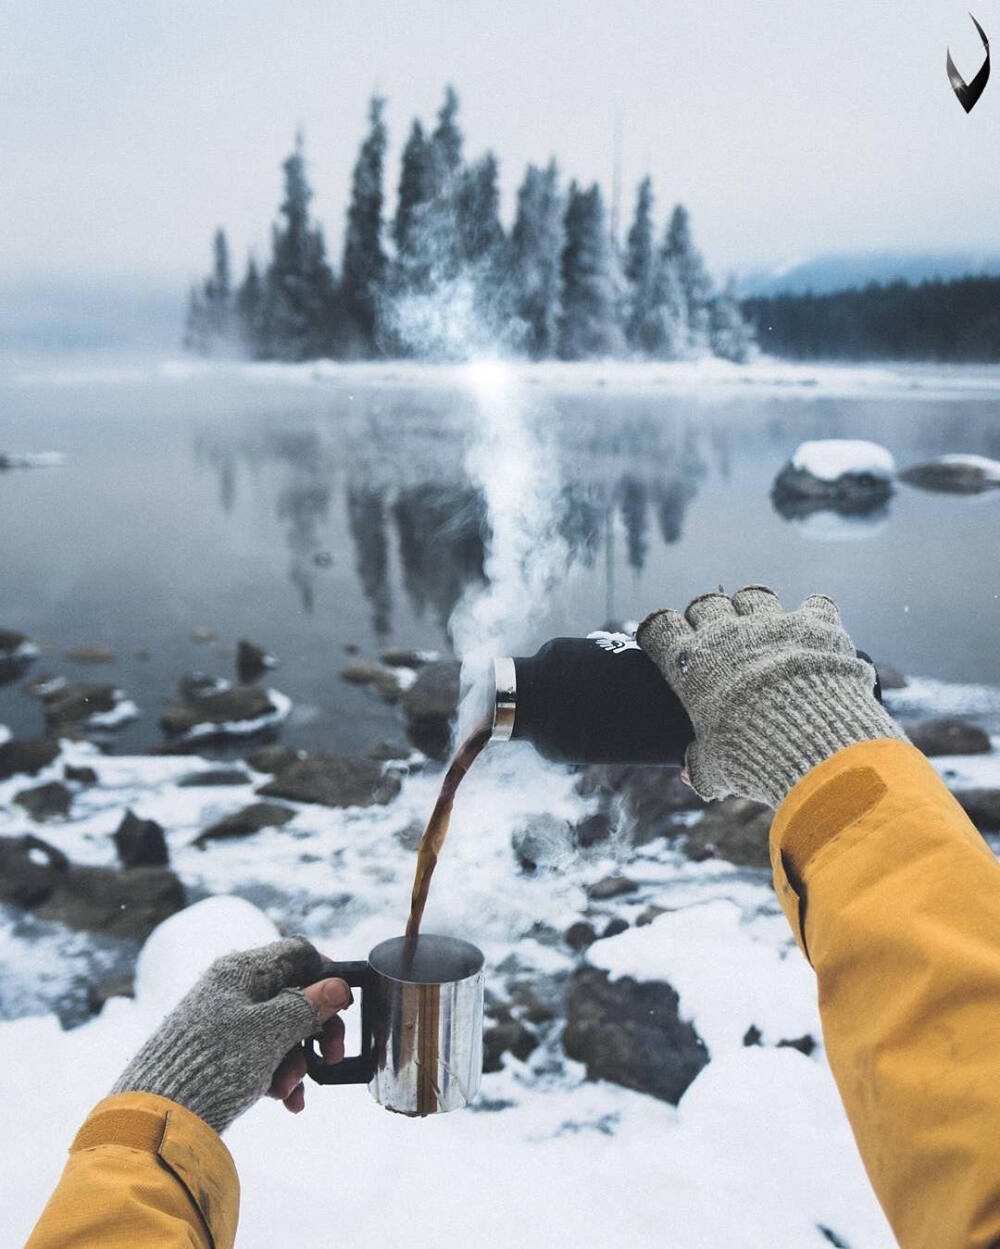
x,y
327,997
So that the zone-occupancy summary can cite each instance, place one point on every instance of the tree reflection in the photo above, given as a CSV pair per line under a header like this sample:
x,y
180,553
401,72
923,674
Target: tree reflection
x,y
366,519
441,530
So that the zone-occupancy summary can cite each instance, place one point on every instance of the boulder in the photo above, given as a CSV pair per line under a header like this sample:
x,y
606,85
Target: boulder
x,y
388,752
46,802
593,829
11,642
81,775
252,661
140,843
541,842
609,887
29,870
615,926
429,706
90,655
126,904
74,704
509,1036
579,935
16,655
241,704
28,755
362,672
848,476
630,1032
272,759
649,797
954,475
399,657
982,806
948,737
250,820
736,830
333,781
118,984
214,776
195,685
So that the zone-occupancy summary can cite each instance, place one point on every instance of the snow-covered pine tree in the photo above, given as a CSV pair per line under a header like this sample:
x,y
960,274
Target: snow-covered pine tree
x,y
416,186
196,337
249,308
587,325
209,316
364,262
669,311
298,289
643,325
695,282
535,251
730,334
446,143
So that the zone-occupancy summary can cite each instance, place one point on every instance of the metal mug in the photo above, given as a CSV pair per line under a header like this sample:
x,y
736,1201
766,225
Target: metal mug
x,y
421,1025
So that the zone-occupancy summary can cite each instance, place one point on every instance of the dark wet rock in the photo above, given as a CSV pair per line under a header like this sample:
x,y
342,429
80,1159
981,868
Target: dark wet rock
x,y
196,685
948,737
430,705
507,1037
401,658
250,820
388,752
649,797
796,493
89,655
593,829
82,776
579,935
890,677
10,641
650,913
333,781
736,830
239,704
74,704
140,843
16,655
126,904
272,759
252,661
753,1036
804,1044
28,755
29,869
44,684
541,841
214,776
120,984
982,806
362,672
615,926
46,802
611,887
631,1033
539,1000
950,477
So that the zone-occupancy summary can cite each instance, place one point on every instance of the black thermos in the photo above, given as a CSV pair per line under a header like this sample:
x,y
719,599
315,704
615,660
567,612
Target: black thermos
x,y
598,699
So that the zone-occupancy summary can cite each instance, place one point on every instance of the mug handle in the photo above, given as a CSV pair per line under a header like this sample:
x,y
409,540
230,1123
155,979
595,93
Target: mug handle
x,y
360,1068
877,689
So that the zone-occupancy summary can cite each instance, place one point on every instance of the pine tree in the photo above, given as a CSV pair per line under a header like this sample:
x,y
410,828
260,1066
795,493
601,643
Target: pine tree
x,y
534,271
364,258
730,334
477,212
446,143
416,186
669,319
298,295
249,308
695,283
210,306
196,336
643,330
587,325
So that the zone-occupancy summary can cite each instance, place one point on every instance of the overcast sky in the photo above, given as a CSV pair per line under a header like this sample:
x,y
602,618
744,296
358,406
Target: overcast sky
x,y
130,128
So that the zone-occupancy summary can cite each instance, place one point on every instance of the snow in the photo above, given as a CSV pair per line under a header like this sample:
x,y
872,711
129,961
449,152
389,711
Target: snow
x,y
281,703
4,734
122,712
989,468
828,459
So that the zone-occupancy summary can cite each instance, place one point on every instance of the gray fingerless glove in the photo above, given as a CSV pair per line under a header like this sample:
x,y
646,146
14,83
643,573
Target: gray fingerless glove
x,y
770,693
217,1050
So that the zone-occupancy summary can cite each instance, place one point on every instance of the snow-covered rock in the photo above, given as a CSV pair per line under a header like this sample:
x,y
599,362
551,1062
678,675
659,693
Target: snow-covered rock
x,y
955,474
830,459
846,475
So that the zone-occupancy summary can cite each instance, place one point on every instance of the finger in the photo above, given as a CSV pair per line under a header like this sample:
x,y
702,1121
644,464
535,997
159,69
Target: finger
x,y
328,996
698,776
264,971
662,631
331,1042
296,1099
823,607
756,600
707,608
290,1072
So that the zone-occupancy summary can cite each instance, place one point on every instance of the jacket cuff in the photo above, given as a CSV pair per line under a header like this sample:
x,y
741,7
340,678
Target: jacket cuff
x,y
193,1152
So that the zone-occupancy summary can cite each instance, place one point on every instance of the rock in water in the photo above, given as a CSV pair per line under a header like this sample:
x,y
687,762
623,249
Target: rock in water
x,y
28,755
29,869
430,705
849,476
272,759
241,710
126,904
74,704
948,737
140,843
611,887
954,474
45,802
736,829
631,1033
89,655
252,660
333,781
210,777
982,806
16,653
250,820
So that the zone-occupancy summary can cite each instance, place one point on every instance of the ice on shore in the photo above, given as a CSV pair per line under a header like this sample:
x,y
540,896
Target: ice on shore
x,y
828,459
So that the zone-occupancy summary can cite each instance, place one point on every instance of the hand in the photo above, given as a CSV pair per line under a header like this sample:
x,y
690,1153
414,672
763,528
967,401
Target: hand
x,y
237,1034
770,693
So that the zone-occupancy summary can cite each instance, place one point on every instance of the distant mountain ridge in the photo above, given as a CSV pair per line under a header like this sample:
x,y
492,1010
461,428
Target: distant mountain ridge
x,y
837,271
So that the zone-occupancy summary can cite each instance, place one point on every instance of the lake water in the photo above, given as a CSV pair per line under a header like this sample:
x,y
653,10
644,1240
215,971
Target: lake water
x,y
309,511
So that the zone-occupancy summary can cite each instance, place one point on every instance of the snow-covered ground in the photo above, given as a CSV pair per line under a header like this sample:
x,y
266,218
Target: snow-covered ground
x,y
757,1153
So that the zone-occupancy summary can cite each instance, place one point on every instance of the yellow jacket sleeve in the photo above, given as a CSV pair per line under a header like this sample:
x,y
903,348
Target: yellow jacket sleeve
x,y
142,1171
895,899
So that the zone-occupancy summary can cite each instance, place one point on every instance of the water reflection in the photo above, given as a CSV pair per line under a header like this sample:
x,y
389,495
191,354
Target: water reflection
x,y
441,531
366,518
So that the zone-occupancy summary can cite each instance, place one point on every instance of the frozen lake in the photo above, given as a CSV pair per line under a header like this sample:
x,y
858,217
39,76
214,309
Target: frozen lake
x,y
309,508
